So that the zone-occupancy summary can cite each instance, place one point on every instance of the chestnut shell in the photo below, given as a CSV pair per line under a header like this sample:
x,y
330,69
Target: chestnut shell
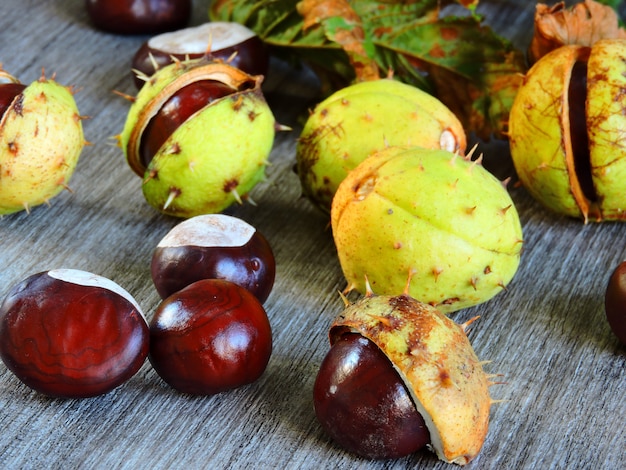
x,y
566,131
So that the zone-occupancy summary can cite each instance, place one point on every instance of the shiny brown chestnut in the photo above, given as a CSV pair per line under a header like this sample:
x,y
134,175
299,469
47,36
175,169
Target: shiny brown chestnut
x,y
362,403
72,334
230,42
138,16
615,302
214,246
175,111
210,337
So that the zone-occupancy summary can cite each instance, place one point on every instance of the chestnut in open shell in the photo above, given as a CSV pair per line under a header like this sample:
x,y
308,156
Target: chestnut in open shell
x,y
566,130
385,424
214,246
210,337
72,334
233,43
389,353
199,133
138,16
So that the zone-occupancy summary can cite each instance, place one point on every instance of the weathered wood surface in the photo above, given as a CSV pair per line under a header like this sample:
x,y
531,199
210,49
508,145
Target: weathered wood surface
x,y
563,403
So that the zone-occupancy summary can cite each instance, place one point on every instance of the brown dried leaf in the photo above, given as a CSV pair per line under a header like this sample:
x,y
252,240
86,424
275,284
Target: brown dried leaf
x,y
583,24
348,32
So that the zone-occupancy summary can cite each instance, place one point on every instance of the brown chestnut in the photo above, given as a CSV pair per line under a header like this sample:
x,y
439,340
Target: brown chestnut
x,y
138,16
231,42
176,110
214,246
8,93
362,403
210,337
615,302
72,334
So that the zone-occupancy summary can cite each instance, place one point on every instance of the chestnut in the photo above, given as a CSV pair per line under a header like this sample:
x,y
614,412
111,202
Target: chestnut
x,y
138,16
363,404
72,334
175,111
230,42
8,93
401,375
215,246
615,302
210,337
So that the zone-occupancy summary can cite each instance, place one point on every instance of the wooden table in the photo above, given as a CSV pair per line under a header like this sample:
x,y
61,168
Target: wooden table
x,y
565,376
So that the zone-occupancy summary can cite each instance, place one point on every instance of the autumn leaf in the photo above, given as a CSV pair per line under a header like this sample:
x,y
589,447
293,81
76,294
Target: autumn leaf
x,y
458,59
343,26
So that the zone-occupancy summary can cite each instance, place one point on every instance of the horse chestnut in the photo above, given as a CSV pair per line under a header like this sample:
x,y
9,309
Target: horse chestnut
x,y
214,246
615,302
230,42
365,117
210,337
219,151
380,343
385,424
175,111
138,16
566,130
70,333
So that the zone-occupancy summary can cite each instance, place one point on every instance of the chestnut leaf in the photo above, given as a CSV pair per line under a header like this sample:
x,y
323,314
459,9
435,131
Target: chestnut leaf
x,y
458,59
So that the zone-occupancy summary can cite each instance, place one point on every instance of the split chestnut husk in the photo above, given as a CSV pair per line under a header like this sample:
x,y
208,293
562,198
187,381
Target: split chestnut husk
x,y
566,131
199,133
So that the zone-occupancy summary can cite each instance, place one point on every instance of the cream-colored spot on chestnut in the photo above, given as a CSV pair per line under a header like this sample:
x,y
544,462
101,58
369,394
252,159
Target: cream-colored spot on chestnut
x,y
215,35
210,230
85,278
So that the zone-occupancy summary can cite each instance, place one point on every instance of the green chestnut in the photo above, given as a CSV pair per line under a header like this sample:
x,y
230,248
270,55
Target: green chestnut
x,y
365,117
566,131
430,214
41,139
200,134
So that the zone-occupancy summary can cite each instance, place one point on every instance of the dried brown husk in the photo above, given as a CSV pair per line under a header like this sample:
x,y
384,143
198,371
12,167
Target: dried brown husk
x,y
583,24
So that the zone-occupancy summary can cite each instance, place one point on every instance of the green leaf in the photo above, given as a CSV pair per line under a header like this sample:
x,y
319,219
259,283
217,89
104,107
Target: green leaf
x,y
458,59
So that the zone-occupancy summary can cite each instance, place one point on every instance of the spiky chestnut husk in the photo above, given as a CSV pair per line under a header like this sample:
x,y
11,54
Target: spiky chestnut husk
x,y
434,214
217,155
436,362
41,139
566,131
365,117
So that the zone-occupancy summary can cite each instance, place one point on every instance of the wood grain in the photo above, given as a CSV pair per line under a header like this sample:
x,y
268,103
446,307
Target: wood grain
x,y
563,400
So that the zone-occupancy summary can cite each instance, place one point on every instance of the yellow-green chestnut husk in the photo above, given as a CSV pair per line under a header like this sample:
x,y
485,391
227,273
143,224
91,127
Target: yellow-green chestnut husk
x,y
566,131
435,215
217,155
41,139
436,362
360,119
